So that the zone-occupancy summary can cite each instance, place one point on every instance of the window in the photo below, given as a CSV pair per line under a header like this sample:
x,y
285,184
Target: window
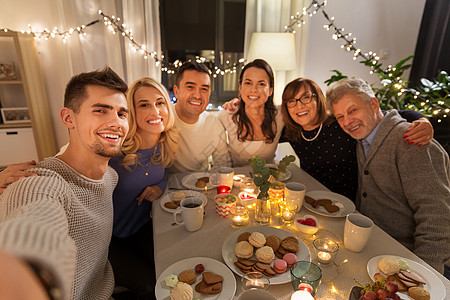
x,y
211,30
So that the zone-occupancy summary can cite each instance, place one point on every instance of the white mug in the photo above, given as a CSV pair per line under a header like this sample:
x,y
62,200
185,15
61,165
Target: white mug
x,y
222,176
191,213
294,192
357,231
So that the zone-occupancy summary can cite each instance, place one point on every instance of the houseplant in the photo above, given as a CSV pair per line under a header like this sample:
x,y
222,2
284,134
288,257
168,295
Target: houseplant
x,y
262,174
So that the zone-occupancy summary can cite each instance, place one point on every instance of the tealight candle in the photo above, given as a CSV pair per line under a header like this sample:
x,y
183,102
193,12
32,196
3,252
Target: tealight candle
x,y
223,189
239,216
326,250
247,185
324,257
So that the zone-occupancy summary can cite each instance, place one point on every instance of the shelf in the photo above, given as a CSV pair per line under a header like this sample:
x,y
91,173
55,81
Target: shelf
x,y
10,81
15,125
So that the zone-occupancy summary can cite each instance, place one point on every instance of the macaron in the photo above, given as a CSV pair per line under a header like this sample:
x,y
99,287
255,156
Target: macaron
x,y
280,266
290,258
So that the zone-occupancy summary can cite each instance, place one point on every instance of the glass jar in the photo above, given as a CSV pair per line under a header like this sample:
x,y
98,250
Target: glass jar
x,y
239,216
262,211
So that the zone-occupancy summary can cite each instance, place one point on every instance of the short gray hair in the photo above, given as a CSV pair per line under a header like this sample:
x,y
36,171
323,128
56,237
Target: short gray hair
x,y
354,86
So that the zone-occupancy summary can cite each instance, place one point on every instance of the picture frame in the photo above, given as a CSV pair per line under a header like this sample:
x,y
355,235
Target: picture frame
x,y
12,115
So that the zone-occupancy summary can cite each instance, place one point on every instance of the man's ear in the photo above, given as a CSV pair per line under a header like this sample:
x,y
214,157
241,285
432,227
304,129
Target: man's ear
x,y
67,117
175,91
375,104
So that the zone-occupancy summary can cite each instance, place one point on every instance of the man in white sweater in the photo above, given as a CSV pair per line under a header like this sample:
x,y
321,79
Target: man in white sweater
x,y
201,134
59,223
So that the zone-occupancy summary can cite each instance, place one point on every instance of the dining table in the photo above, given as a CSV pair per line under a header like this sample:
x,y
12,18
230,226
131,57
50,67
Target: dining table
x,y
173,243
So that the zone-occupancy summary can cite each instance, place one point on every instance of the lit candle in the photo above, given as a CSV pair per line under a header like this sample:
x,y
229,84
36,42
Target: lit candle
x,y
324,257
301,295
238,220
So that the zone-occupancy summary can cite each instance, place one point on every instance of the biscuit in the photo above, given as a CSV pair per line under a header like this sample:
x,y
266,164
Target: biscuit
x,y
290,244
200,184
170,205
401,286
419,293
243,236
211,278
187,276
242,266
178,196
204,288
247,262
309,200
243,250
273,242
331,208
265,254
324,202
257,239
205,179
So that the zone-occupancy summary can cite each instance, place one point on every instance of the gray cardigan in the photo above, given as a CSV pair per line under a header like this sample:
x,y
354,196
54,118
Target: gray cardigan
x,y
405,190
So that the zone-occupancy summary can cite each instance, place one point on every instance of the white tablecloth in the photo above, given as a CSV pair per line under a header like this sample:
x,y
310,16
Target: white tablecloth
x,y
174,243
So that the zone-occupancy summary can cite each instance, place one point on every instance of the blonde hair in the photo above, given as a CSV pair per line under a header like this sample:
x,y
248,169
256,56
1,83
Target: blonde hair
x,y
168,141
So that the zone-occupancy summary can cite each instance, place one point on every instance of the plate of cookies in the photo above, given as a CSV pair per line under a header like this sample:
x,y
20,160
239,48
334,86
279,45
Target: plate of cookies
x,y
171,201
328,204
197,181
414,281
268,250
196,278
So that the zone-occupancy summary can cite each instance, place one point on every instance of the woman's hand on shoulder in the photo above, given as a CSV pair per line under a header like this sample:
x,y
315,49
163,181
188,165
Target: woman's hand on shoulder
x,y
15,172
231,105
420,132
150,193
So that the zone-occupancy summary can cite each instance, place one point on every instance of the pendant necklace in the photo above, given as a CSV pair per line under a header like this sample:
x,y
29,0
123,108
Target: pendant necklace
x,y
317,134
147,165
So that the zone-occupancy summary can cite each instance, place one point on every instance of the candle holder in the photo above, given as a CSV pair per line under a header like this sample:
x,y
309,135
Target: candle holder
x,y
306,276
247,185
287,212
223,189
239,216
325,250
255,281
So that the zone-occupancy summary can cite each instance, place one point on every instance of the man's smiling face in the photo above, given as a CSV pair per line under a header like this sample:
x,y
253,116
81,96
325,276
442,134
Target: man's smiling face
x,y
192,94
357,117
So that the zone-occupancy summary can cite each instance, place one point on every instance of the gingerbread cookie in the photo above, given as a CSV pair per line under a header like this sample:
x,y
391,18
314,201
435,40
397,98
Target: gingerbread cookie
x,y
273,242
204,288
187,276
243,236
290,244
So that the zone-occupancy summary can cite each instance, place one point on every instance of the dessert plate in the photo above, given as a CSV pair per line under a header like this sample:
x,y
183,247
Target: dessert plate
x,y
162,291
348,205
189,193
283,176
189,181
230,243
434,284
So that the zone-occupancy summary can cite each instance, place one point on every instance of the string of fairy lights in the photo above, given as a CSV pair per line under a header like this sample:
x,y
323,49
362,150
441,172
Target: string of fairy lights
x,y
115,26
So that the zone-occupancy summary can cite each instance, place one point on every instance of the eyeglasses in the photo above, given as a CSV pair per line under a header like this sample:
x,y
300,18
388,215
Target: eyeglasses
x,y
305,99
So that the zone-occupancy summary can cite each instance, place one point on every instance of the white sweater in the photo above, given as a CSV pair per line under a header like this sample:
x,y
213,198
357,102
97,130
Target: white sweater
x,y
62,221
198,142
242,151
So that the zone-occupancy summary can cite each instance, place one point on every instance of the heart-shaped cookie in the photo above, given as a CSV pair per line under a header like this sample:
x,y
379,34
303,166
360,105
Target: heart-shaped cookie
x,y
211,278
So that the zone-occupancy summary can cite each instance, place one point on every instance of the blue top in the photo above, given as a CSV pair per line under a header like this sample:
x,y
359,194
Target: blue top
x,y
129,217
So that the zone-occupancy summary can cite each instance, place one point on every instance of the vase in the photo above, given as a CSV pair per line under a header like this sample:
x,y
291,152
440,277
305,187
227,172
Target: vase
x,y
262,211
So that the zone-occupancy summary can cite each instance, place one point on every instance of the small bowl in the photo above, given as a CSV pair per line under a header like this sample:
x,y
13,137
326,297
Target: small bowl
x,y
306,228
223,209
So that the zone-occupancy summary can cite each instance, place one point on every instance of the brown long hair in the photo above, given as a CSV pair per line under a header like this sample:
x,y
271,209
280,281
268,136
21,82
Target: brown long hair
x,y
293,130
270,111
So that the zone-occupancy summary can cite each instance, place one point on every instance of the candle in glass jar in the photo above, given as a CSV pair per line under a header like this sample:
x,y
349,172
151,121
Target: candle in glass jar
x,y
239,216
239,220
324,257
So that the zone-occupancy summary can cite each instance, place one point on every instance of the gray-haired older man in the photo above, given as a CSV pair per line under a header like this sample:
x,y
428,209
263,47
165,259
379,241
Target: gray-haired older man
x,y
404,189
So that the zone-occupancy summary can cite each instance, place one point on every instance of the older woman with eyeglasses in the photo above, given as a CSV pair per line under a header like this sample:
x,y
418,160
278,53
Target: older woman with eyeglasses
x,y
326,152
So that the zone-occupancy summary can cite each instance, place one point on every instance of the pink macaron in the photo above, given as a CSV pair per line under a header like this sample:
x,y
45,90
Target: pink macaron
x,y
290,258
280,266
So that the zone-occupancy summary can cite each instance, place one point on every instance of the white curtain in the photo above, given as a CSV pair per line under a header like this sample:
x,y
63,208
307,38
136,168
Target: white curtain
x,y
99,48
272,16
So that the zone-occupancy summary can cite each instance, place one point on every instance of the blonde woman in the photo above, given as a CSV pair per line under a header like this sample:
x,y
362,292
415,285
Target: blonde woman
x,y
149,149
